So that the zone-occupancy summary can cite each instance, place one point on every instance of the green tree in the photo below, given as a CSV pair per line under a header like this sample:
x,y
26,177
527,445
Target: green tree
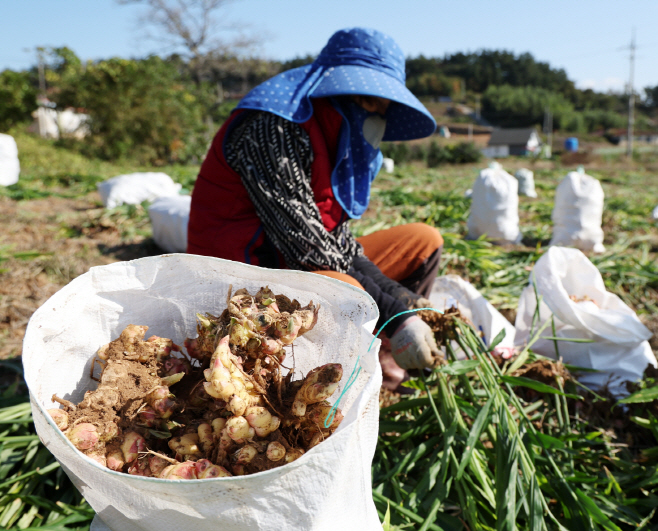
x,y
464,153
651,97
590,100
425,77
215,54
139,108
499,67
18,98
433,84
509,106
595,120
296,62
62,71
437,155
486,68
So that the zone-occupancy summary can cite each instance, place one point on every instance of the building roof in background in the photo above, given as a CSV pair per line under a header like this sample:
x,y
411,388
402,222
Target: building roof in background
x,y
501,137
463,129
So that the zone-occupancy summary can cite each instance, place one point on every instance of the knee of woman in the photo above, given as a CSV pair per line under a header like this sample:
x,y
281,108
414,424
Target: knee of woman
x,y
342,277
430,235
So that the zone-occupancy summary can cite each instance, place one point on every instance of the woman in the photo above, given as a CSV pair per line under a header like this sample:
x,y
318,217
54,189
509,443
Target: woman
x,y
294,163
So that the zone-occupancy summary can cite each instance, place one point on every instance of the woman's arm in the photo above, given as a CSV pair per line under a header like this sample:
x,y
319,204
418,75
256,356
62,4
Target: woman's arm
x,y
391,296
273,157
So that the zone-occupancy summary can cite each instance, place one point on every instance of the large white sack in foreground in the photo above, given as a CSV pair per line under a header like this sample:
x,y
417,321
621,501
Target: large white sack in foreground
x,y
135,188
451,291
577,214
328,488
526,179
169,219
9,165
495,207
572,288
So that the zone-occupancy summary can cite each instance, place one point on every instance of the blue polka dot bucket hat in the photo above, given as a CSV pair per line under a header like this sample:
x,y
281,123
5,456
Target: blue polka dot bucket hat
x,y
354,61
368,62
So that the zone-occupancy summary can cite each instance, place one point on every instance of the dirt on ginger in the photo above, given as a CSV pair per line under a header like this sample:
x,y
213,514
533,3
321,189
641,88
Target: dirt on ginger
x,y
220,407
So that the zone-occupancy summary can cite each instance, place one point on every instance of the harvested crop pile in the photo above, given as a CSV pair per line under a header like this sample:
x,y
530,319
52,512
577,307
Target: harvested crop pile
x,y
442,323
224,409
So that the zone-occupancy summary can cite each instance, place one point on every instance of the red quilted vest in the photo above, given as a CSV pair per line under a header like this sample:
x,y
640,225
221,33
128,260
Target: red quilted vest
x,y
223,220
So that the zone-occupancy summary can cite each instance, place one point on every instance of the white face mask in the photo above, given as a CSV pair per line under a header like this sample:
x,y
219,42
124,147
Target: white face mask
x,y
373,129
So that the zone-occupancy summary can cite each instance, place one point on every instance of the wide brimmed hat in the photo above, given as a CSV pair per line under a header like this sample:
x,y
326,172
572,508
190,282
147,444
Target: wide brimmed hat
x,y
354,61
368,62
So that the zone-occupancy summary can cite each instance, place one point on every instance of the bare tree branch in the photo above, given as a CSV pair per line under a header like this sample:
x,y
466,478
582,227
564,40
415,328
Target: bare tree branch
x,y
191,28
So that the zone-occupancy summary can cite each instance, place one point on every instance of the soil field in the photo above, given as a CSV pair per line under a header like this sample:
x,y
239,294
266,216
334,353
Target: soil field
x,y
467,447
55,227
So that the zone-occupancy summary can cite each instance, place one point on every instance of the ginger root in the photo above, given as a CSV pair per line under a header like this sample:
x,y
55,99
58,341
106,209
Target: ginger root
x,y
221,407
318,385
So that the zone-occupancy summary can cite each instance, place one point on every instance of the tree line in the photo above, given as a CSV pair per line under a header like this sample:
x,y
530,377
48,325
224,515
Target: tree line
x,y
516,90
167,109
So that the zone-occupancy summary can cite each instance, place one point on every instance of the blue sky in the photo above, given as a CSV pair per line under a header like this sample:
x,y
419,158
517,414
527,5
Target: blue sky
x,y
585,37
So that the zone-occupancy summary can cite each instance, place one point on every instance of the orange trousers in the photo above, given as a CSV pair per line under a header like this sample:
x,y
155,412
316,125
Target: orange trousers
x,y
398,252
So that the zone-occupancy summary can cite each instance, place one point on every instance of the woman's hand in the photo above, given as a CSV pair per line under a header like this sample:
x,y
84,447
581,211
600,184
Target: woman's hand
x,y
413,345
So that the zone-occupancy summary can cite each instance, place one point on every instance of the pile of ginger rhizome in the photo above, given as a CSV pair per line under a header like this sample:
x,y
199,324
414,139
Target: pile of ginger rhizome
x,y
224,409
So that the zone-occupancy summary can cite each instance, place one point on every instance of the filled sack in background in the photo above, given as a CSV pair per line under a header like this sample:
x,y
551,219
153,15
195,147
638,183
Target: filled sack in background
x,y
9,165
572,290
578,212
135,188
327,488
495,207
526,180
451,291
169,219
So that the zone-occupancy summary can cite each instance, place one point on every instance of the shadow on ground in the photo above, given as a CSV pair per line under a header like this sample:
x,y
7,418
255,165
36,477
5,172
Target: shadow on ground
x,y
131,251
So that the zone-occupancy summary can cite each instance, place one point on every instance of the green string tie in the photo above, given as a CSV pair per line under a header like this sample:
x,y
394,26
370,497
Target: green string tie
x,y
355,373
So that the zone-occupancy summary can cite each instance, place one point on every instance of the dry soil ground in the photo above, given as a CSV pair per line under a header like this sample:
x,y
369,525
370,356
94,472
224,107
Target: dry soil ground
x,y
71,236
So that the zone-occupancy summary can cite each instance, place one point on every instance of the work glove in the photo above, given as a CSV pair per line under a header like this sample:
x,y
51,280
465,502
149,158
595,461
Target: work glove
x,y
413,345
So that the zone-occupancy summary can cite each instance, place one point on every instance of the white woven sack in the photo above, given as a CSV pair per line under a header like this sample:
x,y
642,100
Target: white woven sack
x,y
526,179
9,165
328,488
495,207
451,291
135,188
619,350
169,219
578,212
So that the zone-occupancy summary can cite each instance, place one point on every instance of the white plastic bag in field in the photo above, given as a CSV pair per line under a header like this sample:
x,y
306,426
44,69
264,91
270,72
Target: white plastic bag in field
x,y
526,182
9,165
451,291
495,207
169,219
572,289
654,213
388,165
328,488
578,212
134,188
